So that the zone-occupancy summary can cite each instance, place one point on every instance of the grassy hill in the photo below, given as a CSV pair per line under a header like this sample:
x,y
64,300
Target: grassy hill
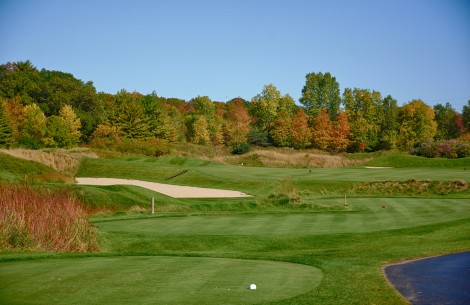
x,y
295,237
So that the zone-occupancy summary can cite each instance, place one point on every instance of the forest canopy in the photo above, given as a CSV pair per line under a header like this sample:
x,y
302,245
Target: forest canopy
x,y
43,108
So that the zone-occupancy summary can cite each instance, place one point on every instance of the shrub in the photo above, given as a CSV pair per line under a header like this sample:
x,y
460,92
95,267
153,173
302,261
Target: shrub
x,y
286,193
426,149
241,149
450,149
38,219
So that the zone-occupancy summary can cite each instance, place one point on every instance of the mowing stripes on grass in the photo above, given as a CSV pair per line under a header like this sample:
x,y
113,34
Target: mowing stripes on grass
x,y
153,280
379,214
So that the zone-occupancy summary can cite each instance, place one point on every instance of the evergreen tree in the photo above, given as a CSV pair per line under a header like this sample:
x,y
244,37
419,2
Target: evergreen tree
x,y
6,134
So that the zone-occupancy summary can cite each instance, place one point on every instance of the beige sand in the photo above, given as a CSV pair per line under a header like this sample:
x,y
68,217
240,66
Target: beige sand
x,y
175,191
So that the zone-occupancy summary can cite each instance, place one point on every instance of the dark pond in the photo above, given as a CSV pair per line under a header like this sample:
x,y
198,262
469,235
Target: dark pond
x,y
441,280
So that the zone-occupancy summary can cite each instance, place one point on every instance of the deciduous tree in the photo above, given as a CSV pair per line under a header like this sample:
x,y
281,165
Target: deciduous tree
x,y
390,123
466,116
73,124
280,131
199,131
264,107
33,126
322,130
300,132
340,133
321,91
446,119
417,124
237,123
364,110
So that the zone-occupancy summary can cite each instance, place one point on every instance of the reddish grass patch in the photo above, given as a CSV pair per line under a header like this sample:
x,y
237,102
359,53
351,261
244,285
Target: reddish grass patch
x,y
40,219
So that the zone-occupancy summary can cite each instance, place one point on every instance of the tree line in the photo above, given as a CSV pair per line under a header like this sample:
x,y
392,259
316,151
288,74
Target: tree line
x,y
43,108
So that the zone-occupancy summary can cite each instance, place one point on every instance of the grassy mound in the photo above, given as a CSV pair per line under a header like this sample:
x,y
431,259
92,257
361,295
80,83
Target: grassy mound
x,y
404,160
15,169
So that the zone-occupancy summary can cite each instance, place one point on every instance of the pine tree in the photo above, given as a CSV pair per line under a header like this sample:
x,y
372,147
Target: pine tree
x,y
6,134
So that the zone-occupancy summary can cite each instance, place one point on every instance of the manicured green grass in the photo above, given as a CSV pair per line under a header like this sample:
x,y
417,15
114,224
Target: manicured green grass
x,y
212,240
202,173
153,280
256,181
377,214
351,262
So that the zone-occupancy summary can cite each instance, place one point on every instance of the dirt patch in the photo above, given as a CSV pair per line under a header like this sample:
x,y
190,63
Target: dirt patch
x,y
175,191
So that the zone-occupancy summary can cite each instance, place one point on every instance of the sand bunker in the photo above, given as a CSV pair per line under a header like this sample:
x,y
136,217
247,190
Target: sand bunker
x,y
175,191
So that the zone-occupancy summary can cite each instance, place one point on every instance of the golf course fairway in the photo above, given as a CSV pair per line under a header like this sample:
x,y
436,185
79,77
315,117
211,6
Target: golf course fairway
x,y
373,214
153,280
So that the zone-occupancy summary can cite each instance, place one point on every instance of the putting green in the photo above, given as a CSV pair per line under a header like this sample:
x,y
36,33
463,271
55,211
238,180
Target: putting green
x,y
152,280
377,214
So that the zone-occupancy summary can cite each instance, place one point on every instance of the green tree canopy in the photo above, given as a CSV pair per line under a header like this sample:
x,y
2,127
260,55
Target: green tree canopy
x,y
446,119
466,116
321,91
264,107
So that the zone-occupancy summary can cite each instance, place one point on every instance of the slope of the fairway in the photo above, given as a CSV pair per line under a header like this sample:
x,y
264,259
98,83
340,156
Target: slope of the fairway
x,y
253,180
152,280
373,214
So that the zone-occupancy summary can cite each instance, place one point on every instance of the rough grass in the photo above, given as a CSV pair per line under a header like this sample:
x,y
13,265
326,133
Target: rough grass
x,y
63,161
412,187
404,160
15,169
38,219
290,158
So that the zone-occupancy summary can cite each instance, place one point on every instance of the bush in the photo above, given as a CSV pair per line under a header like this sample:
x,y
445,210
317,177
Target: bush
x,y
286,193
450,149
241,149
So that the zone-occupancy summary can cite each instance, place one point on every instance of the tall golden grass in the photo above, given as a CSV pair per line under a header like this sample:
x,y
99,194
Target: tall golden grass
x,y
63,161
283,157
44,220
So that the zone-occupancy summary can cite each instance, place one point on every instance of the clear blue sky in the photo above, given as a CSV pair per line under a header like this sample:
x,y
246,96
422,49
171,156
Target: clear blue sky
x,y
227,48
